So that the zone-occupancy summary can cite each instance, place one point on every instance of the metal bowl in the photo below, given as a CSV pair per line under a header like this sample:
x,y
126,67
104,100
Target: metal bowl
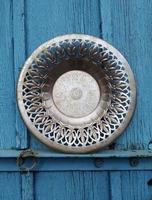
x,y
76,93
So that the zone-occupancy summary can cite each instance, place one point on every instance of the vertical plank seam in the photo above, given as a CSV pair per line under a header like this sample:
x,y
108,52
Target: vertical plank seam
x,y
25,27
100,17
12,52
13,63
110,185
26,53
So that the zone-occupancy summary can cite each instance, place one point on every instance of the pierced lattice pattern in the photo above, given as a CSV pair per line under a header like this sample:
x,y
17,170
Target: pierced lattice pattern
x,y
34,85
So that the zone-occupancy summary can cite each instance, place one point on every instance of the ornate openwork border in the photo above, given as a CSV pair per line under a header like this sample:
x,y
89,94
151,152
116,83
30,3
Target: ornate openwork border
x,y
66,137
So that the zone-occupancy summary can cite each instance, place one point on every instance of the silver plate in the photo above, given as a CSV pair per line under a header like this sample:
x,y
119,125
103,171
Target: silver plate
x,y
76,93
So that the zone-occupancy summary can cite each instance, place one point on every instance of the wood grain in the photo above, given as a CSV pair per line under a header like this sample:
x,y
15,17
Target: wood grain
x,y
72,185
131,185
10,187
127,25
27,183
7,87
24,25
124,24
19,58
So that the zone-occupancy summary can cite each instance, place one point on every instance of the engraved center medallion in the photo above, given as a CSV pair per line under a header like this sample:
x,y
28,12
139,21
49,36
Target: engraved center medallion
x,y
76,93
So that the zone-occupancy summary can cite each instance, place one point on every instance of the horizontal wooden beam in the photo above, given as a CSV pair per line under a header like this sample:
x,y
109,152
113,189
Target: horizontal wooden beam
x,y
78,164
100,154
51,161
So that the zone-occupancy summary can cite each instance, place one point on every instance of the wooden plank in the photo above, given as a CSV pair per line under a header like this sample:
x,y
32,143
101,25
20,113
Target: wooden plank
x,y
60,17
19,58
27,186
79,164
47,19
72,185
131,185
115,185
10,186
126,25
134,185
93,164
7,89
103,154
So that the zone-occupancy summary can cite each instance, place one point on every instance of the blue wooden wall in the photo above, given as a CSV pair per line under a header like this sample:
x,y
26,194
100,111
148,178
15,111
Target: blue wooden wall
x,y
127,25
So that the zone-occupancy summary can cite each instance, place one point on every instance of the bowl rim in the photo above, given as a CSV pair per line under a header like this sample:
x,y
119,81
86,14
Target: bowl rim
x,y
70,149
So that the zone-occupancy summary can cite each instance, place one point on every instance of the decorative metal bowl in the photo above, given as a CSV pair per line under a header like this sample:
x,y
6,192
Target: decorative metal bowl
x,y
76,93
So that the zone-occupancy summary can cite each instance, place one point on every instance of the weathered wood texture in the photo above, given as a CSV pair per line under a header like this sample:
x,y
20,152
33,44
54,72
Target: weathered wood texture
x,y
27,190
125,24
131,185
10,186
93,186
19,42
24,25
128,26
7,83
72,185
12,55
76,185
